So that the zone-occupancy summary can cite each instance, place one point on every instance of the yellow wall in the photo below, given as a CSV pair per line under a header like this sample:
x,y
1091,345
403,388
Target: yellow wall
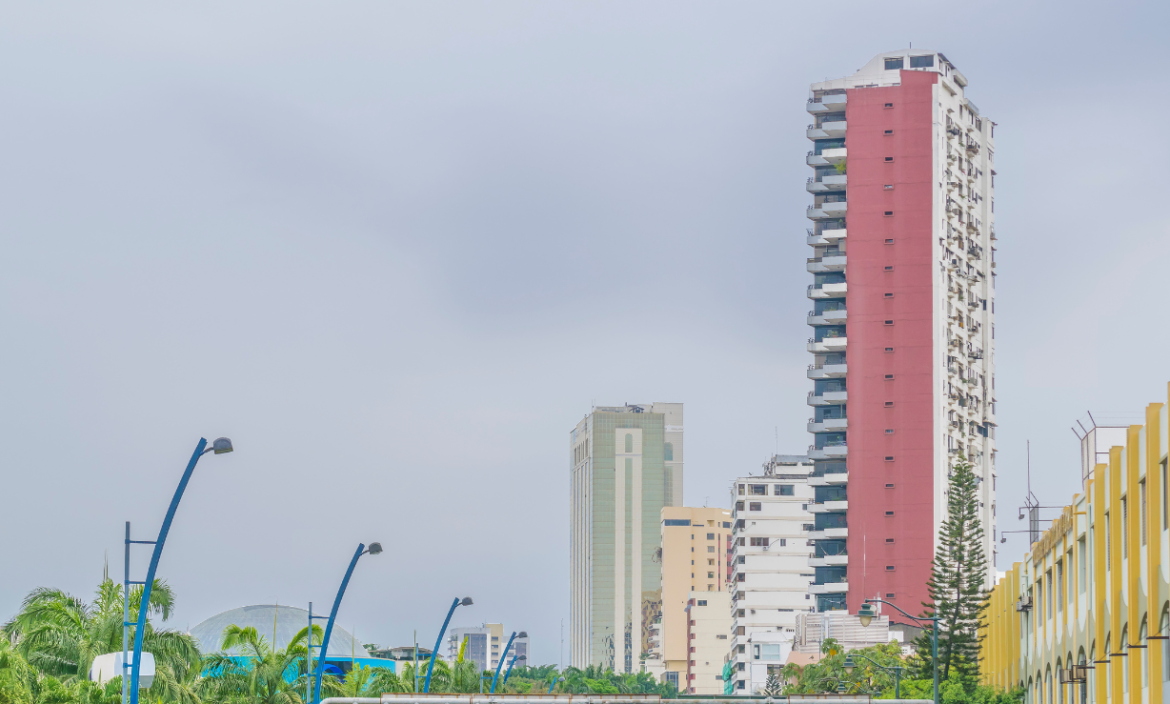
x,y
1116,528
685,569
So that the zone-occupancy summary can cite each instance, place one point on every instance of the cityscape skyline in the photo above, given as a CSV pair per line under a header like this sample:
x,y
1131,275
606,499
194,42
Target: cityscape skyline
x,y
337,238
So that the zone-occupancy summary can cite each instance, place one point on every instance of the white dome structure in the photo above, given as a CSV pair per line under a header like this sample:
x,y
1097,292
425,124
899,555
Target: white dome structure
x,y
278,624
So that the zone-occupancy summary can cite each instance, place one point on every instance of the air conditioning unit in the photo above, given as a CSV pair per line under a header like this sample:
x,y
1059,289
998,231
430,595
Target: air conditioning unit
x,y
1024,604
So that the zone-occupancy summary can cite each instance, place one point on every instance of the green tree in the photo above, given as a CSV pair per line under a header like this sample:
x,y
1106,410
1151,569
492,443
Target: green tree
x,y
773,687
248,670
957,587
59,635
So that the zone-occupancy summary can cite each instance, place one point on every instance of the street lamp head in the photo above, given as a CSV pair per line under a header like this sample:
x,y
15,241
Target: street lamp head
x,y
865,614
840,688
221,446
466,601
849,665
374,549
522,634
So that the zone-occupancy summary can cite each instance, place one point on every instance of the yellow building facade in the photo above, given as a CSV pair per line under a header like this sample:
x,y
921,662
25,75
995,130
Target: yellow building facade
x,y
1084,618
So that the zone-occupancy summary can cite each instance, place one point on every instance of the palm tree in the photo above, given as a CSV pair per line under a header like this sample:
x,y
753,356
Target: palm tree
x,y
260,674
59,635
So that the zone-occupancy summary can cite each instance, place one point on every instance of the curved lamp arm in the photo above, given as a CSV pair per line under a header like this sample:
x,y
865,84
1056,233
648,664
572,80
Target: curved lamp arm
x,y
503,656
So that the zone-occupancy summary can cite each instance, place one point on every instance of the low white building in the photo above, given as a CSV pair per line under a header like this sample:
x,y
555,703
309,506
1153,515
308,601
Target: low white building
x,y
770,570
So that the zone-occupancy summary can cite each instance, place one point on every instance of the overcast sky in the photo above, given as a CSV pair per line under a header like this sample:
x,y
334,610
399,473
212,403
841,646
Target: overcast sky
x,y
396,251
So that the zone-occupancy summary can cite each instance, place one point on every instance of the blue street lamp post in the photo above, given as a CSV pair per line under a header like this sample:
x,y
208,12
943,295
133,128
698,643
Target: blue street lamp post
x,y
554,684
866,613
465,601
220,446
374,549
504,656
508,672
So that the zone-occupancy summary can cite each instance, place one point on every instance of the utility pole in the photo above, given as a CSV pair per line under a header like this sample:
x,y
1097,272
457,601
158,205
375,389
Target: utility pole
x,y
416,661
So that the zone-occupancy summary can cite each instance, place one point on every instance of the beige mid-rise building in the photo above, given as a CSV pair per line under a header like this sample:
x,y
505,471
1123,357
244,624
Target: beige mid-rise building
x,y
696,561
709,624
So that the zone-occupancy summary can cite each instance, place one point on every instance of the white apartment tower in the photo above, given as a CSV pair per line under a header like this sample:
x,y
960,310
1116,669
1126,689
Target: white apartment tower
x,y
903,293
772,568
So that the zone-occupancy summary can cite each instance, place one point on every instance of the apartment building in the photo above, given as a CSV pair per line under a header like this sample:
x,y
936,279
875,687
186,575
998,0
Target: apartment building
x,y
772,570
696,557
707,637
903,240
485,645
626,464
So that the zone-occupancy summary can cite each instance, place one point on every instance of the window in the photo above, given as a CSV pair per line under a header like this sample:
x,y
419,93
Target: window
x,y
889,486
710,575
738,506
889,541
668,452
889,159
784,542
808,526
1124,529
889,349
922,61
676,522
629,442
889,404
727,524
785,490
888,295
710,548
889,513
1142,509
890,268
890,595
894,64
741,487
889,213
710,536
889,105
758,489
889,187
754,506
889,568
889,322
889,431
889,458
759,542
742,559
888,133
701,602
740,578
889,377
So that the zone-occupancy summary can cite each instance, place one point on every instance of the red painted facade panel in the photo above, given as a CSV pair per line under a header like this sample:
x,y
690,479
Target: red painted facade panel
x,y
890,200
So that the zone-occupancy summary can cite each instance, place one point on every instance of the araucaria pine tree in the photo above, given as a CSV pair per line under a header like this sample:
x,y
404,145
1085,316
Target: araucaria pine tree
x,y
958,580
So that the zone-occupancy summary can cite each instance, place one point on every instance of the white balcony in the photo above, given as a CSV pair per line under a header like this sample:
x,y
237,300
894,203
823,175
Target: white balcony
x,y
828,507
827,157
827,317
834,182
827,371
826,103
828,534
829,479
825,236
828,561
827,291
834,588
827,425
829,344
826,398
829,452
822,211
826,130
826,263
